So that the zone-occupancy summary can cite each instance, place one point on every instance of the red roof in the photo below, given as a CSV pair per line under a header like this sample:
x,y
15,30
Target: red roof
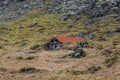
x,y
69,39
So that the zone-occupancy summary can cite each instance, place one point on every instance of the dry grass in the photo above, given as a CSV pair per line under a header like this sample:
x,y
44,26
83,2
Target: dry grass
x,y
57,68
36,28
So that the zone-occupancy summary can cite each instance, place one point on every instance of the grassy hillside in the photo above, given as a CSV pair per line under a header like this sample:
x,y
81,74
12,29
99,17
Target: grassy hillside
x,y
35,28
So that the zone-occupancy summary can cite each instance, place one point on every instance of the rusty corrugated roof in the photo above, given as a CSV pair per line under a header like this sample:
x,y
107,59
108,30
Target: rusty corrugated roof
x,y
69,39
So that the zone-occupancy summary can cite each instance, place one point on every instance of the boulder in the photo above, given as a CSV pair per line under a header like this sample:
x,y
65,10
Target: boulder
x,y
78,53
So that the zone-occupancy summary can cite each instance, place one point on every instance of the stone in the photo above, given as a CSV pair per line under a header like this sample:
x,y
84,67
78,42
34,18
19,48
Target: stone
x,y
67,15
91,8
78,53
1,47
118,17
88,22
114,9
82,34
5,2
25,6
101,38
20,12
92,71
89,1
91,36
96,13
111,33
118,29
4,28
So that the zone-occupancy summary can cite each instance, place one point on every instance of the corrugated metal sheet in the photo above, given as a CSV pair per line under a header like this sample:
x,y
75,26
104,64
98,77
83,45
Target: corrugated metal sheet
x,y
69,39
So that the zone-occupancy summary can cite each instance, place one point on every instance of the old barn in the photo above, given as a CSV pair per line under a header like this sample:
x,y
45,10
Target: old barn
x,y
56,43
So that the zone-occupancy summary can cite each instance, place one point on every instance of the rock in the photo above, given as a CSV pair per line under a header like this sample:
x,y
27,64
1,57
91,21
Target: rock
x,y
118,17
20,12
91,31
91,8
93,69
28,70
49,11
111,33
118,29
25,6
67,15
8,7
96,13
4,28
101,38
91,36
20,0
5,2
78,53
1,47
82,34
114,9
89,1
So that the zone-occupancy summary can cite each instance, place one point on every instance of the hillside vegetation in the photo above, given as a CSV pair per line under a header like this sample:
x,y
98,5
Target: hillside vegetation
x,y
22,56
37,28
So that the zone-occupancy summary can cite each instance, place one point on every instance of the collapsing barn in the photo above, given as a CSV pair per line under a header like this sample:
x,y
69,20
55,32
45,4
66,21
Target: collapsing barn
x,y
56,43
